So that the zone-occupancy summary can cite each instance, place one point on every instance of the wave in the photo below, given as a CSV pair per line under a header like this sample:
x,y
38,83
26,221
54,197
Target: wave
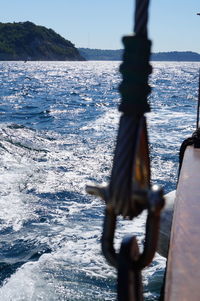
x,y
53,141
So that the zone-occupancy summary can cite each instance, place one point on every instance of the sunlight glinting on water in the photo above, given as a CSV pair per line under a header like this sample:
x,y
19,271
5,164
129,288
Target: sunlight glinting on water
x,y
57,133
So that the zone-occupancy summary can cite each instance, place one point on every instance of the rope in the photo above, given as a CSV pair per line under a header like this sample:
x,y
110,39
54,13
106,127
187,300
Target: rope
x,y
135,70
122,182
120,185
134,91
141,17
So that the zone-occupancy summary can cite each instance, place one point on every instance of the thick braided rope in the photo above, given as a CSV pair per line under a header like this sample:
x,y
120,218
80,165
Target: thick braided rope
x,y
134,90
141,17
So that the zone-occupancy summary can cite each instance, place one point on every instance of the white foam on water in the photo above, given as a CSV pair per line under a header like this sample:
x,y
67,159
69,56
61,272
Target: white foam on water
x,y
44,171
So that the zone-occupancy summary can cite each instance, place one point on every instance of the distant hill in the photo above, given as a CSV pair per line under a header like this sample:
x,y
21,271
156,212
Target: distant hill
x,y
186,56
116,55
101,55
27,41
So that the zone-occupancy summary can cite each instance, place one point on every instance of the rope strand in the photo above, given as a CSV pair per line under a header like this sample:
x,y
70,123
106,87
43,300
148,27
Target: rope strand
x,y
141,17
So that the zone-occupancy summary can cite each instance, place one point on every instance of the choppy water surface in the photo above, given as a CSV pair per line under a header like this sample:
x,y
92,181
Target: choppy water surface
x,y
58,124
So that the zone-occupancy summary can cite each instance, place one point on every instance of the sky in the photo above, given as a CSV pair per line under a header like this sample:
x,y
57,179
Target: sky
x,y
173,24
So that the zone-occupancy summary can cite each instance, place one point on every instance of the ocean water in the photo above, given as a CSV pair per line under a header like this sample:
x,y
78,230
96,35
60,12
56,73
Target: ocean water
x,y
58,125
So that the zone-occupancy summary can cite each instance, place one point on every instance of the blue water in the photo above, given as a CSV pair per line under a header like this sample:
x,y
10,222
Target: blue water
x,y
58,124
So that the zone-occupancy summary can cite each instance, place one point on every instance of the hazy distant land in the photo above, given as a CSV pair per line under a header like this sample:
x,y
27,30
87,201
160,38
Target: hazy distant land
x,y
116,55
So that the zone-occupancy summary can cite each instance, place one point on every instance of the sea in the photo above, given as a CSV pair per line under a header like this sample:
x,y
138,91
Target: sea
x,y
58,127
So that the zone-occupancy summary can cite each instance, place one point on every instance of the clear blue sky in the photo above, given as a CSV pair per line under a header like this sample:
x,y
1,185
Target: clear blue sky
x,y
173,24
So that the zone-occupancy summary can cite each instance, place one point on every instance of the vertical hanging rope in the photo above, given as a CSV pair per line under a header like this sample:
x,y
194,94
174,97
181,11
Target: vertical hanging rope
x,y
141,17
134,91
135,68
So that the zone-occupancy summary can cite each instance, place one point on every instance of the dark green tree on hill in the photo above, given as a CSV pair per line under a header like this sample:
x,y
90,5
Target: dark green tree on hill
x,y
27,41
